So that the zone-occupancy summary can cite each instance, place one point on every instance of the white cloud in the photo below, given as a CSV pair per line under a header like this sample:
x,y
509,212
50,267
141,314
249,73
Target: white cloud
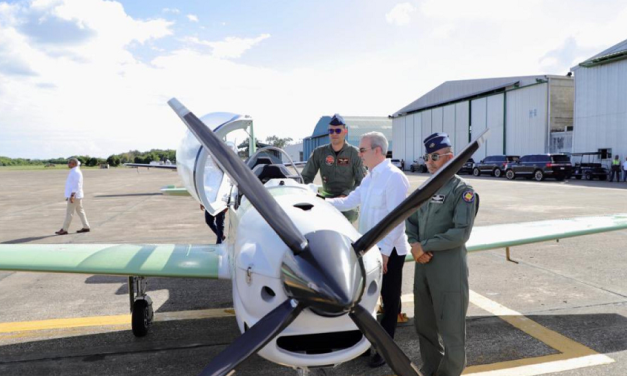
x,y
401,14
230,47
192,17
171,10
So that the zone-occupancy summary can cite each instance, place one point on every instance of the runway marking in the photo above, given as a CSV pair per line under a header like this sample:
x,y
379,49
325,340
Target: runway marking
x,y
573,355
28,326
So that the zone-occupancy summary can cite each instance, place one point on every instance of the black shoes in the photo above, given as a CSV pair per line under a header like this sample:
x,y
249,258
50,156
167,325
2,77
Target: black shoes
x,y
376,360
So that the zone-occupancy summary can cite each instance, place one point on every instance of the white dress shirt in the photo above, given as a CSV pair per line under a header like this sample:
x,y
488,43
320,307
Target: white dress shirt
x,y
625,165
378,194
74,183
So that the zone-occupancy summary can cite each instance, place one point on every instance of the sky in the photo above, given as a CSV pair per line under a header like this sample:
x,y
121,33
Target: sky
x,y
92,77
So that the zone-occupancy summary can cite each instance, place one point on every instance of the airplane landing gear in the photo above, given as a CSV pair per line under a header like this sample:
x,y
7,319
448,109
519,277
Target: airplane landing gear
x,y
141,306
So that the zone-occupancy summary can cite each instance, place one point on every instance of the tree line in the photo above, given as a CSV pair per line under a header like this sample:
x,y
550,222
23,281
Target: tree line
x,y
114,160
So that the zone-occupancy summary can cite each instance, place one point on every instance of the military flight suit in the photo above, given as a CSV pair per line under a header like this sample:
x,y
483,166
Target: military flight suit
x,y
340,173
442,226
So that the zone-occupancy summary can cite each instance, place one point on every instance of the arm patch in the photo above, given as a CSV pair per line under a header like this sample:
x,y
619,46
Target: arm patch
x,y
468,196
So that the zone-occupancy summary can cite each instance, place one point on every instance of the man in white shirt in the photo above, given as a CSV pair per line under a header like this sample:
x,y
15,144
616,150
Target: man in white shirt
x,y
382,190
74,197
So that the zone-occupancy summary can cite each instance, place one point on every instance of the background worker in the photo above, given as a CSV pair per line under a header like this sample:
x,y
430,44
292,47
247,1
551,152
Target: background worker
x,y
340,167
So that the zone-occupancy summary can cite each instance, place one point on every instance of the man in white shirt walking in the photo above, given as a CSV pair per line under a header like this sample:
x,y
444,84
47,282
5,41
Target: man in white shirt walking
x,y
74,197
382,190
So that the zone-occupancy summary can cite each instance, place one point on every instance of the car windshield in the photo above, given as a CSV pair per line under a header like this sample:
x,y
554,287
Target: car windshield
x,y
560,158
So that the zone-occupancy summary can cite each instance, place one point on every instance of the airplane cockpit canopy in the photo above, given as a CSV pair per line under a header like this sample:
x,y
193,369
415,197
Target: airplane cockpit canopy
x,y
201,175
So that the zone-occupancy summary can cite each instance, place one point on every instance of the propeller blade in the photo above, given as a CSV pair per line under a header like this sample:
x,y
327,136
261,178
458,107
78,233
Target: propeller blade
x,y
247,182
383,343
422,194
253,339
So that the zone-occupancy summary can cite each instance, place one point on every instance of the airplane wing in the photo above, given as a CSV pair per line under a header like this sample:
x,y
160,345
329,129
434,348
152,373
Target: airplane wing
x,y
508,235
146,260
164,166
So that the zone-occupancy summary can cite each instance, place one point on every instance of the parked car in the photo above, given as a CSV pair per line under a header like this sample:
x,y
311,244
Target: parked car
x,y
418,165
397,163
467,167
584,167
540,166
494,165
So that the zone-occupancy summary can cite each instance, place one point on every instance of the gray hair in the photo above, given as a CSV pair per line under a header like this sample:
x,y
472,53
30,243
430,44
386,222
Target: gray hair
x,y
75,160
377,140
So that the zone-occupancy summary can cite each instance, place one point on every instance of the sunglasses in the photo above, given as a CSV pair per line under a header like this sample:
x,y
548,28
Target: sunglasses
x,y
434,156
335,130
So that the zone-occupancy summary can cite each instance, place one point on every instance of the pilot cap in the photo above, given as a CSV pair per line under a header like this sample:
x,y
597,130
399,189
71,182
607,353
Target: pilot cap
x,y
337,120
436,142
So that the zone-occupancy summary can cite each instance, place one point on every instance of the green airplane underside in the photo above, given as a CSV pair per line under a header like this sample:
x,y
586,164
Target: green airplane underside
x,y
202,261
150,260
174,191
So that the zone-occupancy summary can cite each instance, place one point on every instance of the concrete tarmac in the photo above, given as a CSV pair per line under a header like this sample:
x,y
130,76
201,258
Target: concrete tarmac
x,y
561,310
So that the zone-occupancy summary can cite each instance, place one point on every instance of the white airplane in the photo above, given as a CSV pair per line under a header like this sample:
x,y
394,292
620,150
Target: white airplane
x,y
305,282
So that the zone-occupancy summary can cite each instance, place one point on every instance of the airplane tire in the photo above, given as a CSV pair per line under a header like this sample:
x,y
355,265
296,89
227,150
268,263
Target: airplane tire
x,y
140,319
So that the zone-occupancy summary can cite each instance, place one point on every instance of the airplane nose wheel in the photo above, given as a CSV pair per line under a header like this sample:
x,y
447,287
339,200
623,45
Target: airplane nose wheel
x,y
141,306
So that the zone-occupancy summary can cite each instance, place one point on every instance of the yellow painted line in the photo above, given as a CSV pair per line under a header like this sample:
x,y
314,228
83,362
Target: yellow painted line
x,y
573,355
27,326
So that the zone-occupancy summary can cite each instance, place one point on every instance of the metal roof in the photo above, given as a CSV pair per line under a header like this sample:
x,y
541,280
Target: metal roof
x,y
453,91
614,53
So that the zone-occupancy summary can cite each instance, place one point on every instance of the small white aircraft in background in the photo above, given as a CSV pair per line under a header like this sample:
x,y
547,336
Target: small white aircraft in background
x,y
305,284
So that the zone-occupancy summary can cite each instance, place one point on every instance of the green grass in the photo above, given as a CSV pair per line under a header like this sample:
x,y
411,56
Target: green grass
x,y
42,168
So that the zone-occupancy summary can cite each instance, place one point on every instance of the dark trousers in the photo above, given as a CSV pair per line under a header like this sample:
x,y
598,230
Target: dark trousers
x,y
391,292
216,224
615,172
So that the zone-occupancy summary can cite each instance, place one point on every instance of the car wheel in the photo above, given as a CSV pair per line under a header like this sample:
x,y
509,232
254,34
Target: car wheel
x,y
588,176
476,172
538,175
497,172
412,169
510,175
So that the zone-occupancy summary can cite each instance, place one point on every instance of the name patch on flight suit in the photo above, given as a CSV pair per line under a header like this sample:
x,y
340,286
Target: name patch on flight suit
x,y
438,199
343,161
468,196
329,160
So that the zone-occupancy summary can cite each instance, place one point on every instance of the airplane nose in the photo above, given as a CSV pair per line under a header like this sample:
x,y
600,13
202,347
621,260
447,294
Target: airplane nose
x,y
327,276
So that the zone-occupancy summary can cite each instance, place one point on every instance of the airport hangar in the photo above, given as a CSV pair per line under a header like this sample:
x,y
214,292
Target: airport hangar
x,y
526,115
600,116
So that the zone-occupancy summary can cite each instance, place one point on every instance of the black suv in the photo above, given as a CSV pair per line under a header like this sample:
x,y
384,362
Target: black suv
x,y
540,166
494,165
467,167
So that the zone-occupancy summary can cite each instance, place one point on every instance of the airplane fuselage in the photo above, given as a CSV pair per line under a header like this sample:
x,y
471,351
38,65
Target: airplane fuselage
x,y
256,265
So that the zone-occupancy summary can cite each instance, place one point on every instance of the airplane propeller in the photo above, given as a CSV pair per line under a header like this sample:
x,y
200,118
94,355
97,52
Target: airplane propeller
x,y
308,274
254,338
247,182
417,198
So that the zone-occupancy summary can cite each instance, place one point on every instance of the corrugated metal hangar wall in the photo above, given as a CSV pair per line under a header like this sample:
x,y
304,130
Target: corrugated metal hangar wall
x,y
517,113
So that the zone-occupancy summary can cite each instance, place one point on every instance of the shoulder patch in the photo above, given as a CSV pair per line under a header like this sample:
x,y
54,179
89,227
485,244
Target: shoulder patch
x,y
468,196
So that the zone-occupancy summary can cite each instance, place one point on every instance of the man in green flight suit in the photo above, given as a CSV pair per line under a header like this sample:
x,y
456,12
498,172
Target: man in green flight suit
x,y
437,233
341,168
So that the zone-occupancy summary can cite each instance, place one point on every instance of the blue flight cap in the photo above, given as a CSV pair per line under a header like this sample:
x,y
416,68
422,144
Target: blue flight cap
x,y
436,142
337,120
